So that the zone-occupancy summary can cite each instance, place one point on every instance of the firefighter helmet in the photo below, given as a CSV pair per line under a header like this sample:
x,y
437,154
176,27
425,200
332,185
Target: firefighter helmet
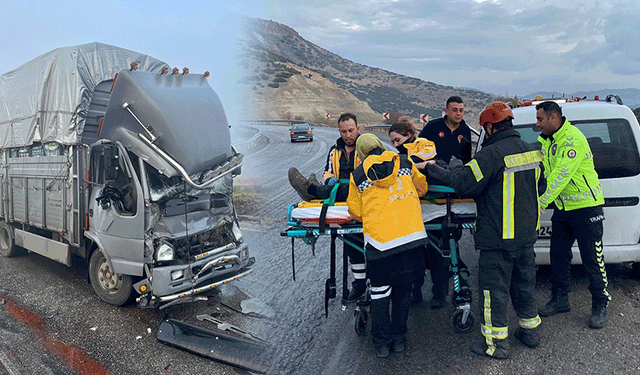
x,y
495,112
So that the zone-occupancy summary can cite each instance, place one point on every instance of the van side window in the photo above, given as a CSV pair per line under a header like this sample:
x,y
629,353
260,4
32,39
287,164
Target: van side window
x,y
615,153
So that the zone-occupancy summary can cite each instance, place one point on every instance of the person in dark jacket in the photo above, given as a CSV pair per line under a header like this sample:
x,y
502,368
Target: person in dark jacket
x,y
503,180
452,137
450,133
384,193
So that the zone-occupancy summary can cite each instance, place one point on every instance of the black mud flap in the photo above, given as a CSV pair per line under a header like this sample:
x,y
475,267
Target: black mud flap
x,y
226,348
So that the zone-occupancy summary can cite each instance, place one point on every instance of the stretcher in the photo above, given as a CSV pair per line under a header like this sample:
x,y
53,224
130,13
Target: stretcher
x,y
444,217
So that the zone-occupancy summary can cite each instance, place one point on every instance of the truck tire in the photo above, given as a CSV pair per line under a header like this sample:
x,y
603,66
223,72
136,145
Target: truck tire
x,y
8,247
113,288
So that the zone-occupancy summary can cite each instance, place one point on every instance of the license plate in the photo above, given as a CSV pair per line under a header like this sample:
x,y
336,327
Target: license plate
x,y
544,231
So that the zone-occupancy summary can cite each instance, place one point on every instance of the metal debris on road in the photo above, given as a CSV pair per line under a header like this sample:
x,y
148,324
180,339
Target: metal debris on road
x,y
223,326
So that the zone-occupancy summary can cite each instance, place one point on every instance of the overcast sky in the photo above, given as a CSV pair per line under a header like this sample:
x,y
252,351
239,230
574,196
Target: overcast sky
x,y
498,46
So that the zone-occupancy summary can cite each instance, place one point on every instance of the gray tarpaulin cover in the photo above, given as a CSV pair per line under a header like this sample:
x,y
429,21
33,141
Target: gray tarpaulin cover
x,y
47,98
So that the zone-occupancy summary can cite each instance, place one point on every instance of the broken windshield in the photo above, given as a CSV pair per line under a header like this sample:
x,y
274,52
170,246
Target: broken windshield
x,y
162,187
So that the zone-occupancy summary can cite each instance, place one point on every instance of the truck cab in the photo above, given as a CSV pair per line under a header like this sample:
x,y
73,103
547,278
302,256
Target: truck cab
x,y
160,209
108,157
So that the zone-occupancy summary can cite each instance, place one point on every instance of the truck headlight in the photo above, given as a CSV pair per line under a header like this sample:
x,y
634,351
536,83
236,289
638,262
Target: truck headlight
x,y
165,252
236,231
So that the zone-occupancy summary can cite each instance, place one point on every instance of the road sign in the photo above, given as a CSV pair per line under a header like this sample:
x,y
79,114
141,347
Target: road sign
x,y
385,115
328,116
425,118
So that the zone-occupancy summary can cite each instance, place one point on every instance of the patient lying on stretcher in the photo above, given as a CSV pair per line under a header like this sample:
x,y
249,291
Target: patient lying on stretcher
x,y
310,188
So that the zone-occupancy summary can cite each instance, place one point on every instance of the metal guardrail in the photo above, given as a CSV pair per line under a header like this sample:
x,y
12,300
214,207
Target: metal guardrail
x,y
251,142
274,122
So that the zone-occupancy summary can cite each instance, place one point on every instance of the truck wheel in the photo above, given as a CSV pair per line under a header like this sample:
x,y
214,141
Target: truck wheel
x,y
113,288
8,247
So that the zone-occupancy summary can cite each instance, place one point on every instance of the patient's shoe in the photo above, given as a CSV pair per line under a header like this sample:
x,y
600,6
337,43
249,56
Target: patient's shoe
x,y
300,184
312,180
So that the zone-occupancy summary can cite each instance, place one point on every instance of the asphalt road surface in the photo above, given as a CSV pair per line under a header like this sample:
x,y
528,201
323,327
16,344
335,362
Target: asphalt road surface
x,y
51,322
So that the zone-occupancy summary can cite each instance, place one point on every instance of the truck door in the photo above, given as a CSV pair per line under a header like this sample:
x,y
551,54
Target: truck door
x,y
116,213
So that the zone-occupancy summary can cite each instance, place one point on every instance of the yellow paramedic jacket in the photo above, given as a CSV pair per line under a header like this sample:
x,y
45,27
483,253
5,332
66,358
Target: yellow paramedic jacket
x,y
384,194
336,166
420,150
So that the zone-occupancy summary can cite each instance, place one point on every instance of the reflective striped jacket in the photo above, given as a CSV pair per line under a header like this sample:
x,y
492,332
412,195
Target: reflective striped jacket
x,y
384,194
420,150
572,181
503,180
338,165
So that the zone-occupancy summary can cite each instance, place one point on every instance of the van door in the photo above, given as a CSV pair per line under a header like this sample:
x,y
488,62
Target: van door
x,y
116,213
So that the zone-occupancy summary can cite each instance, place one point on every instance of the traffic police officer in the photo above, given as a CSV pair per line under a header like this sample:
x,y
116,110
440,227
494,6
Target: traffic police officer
x,y
573,185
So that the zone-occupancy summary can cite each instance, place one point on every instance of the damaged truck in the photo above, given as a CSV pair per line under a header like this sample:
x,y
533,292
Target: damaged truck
x,y
109,156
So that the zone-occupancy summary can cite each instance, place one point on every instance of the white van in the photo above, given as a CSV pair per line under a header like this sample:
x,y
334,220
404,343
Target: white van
x,y
614,135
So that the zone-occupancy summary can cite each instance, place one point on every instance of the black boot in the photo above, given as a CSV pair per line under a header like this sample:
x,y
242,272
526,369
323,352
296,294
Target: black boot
x,y
358,290
529,336
499,349
559,303
598,313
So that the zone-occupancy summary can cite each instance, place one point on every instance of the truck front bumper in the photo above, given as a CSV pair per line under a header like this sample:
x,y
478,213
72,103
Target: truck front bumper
x,y
198,277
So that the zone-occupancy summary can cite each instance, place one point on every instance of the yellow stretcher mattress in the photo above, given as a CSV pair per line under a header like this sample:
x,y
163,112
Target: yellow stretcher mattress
x,y
309,212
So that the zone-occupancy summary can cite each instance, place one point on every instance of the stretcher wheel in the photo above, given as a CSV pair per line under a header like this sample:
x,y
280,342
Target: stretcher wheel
x,y
456,321
362,317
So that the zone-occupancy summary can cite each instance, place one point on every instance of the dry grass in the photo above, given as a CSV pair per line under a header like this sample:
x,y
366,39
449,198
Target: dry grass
x,y
247,201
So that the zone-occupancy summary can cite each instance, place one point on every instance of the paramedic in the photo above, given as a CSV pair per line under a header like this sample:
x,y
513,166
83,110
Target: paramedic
x,y
341,161
573,185
384,193
421,151
502,178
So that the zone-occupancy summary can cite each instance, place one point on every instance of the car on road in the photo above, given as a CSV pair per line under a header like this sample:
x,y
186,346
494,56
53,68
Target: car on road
x,y
301,132
613,133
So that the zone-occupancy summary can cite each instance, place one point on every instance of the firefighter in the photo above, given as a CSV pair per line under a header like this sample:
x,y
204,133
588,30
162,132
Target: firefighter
x,y
573,185
502,178
384,193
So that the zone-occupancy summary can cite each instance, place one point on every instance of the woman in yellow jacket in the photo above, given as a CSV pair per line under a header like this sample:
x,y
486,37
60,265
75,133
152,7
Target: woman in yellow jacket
x,y
384,193
403,136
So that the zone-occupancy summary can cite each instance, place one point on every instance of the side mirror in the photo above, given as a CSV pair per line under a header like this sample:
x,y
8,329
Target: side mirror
x,y
111,163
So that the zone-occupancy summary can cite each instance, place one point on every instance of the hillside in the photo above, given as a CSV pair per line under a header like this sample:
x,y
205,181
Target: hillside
x,y
286,76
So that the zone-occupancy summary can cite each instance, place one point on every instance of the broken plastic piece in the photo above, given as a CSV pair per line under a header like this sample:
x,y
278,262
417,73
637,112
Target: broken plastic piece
x,y
256,306
230,349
